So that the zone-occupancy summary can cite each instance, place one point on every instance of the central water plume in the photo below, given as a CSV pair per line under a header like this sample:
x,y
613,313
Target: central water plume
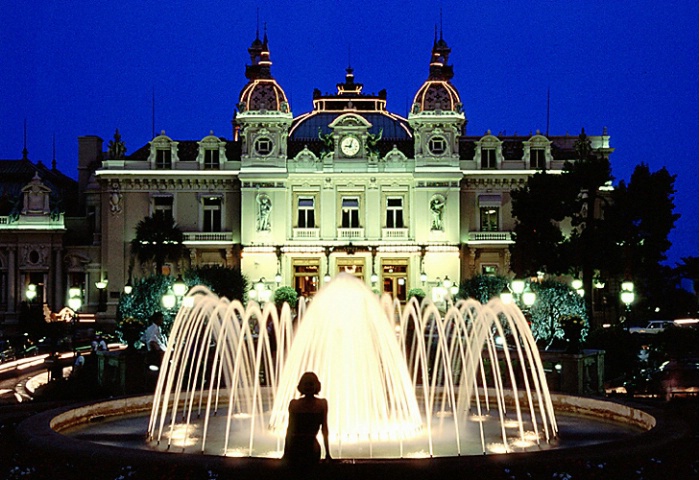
x,y
347,339
399,380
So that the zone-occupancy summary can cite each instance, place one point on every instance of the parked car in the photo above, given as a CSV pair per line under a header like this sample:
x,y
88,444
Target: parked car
x,y
653,327
674,377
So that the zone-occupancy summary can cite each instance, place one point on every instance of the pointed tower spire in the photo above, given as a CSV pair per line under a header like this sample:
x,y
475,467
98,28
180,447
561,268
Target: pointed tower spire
x,y
25,152
53,160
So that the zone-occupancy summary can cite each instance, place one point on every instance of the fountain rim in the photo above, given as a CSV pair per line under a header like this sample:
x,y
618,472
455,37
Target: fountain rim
x,y
41,433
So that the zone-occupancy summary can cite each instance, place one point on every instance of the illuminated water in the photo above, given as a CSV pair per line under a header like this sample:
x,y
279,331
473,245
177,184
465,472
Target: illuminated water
x,y
400,382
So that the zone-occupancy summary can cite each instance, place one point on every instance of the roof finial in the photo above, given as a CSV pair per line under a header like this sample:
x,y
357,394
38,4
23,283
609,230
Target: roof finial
x,y
264,40
257,29
53,161
435,34
441,25
25,152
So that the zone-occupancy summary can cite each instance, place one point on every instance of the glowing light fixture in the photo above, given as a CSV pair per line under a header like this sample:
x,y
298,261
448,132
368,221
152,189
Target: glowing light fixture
x,y
447,283
506,295
31,292
179,288
169,299
517,286
576,283
528,297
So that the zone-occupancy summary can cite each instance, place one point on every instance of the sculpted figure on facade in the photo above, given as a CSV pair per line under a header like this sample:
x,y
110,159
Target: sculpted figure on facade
x,y
36,197
115,198
116,148
437,208
264,209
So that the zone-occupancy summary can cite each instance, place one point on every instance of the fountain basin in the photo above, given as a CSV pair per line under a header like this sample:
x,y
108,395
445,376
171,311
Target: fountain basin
x,y
46,434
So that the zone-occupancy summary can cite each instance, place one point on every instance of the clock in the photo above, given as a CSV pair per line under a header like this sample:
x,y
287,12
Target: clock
x,y
349,145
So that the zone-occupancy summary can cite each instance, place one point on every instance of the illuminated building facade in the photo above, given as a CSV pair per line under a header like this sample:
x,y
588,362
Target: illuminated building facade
x,y
349,186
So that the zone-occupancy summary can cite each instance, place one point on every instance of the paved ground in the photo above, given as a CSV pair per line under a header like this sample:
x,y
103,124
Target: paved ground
x,y
677,460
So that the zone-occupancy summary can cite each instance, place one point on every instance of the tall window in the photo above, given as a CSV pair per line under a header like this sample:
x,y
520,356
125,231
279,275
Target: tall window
x,y
306,213
163,159
306,277
211,159
163,204
488,159
489,219
212,214
537,158
350,212
394,212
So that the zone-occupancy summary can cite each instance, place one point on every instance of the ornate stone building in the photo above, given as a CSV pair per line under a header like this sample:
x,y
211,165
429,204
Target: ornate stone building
x,y
348,186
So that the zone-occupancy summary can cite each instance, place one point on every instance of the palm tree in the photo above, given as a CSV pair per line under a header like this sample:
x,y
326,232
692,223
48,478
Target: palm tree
x,y
158,238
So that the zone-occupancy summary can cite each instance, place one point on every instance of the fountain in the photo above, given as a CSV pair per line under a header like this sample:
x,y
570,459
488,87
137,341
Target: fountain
x,y
405,385
400,382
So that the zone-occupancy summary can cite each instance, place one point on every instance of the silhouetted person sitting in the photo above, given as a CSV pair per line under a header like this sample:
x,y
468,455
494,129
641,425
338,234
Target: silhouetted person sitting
x,y
307,415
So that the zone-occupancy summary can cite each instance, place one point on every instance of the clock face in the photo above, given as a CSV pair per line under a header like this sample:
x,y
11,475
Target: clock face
x,y
350,145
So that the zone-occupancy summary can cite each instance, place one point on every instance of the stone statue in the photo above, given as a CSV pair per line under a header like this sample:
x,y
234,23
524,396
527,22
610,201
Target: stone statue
x,y
116,147
437,208
36,197
264,208
115,199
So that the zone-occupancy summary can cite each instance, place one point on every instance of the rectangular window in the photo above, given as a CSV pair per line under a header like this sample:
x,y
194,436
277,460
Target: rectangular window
x,y
211,159
306,277
350,212
212,214
163,204
488,158
394,212
489,270
163,159
537,158
306,213
489,219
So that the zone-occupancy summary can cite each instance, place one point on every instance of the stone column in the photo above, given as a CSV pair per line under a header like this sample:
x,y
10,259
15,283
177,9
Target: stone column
x,y
58,296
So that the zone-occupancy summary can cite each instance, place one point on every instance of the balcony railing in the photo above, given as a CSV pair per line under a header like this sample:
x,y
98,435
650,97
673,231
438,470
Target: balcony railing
x,y
306,233
489,237
394,233
208,237
350,233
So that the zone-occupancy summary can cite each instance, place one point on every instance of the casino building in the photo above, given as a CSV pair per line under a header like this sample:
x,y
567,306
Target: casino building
x,y
294,198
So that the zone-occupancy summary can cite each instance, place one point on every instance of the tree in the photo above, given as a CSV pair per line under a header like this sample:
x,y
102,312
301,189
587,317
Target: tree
x,y
554,301
223,281
640,219
158,238
575,224
482,287
144,300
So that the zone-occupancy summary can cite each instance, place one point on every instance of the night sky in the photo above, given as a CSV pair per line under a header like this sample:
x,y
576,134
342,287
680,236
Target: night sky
x,y
75,68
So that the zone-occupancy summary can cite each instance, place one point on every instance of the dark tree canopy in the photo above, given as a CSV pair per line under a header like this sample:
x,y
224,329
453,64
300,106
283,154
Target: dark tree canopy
x,y
158,239
573,223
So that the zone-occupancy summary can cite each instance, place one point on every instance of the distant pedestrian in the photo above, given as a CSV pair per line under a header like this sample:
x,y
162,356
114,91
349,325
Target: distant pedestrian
x,y
155,340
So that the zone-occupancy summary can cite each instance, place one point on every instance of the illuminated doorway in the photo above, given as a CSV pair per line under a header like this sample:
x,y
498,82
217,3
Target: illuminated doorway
x,y
395,277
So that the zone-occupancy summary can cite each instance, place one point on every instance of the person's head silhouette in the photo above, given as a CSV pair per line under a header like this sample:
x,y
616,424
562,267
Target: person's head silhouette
x,y
309,384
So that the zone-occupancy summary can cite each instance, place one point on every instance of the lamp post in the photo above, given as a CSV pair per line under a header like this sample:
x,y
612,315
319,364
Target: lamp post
x,y
627,296
102,295
75,301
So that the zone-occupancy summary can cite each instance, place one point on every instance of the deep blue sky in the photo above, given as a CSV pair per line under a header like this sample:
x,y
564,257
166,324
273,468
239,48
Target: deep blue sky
x,y
85,68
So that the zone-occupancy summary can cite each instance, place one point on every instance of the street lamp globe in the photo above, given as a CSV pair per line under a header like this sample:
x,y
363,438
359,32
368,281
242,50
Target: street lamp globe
x,y
75,303
31,292
528,297
627,297
179,288
506,295
169,299
517,286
